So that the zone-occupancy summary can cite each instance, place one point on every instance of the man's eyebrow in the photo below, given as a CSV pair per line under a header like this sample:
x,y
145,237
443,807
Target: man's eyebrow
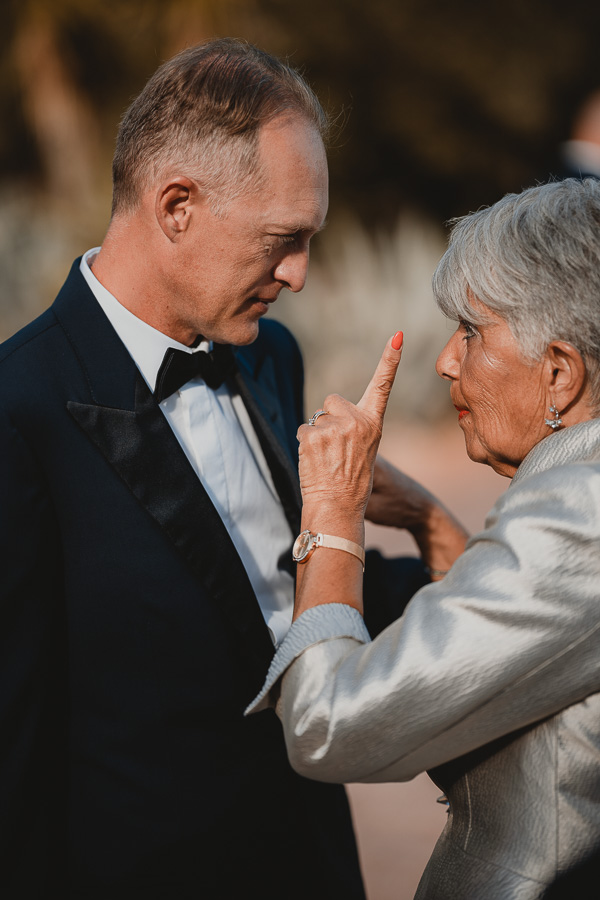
x,y
297,227
311,228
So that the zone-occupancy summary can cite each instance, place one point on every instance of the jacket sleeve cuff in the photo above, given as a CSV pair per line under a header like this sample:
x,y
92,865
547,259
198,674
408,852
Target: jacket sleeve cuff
x,y
320,623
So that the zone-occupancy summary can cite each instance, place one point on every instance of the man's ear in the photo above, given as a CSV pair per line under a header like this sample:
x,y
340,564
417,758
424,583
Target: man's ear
x,y
173,206
567,375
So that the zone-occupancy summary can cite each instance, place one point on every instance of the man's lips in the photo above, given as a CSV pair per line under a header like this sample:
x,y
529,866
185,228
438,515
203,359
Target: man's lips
x,y
265,302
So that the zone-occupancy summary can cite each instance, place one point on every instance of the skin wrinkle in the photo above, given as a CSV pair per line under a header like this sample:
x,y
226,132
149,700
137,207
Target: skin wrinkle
x,y
505,395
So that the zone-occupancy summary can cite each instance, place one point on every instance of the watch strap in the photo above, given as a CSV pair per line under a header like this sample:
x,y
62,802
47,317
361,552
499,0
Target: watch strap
x,y
328,541
337,543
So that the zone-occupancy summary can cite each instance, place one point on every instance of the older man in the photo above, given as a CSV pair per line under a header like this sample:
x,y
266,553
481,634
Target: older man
x,y
149,501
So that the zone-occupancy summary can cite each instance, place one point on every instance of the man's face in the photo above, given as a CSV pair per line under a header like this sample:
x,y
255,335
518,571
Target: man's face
x,y
229,269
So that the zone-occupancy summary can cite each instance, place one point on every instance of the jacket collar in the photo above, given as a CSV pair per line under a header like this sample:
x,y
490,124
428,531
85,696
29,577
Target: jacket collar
x,y
121,417
577,443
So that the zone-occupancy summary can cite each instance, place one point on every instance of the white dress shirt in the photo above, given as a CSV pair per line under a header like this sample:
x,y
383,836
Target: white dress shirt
x,y
217,436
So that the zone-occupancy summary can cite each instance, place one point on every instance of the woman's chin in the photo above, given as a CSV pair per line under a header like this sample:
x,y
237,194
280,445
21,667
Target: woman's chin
x,y
500,466
477,453
477,456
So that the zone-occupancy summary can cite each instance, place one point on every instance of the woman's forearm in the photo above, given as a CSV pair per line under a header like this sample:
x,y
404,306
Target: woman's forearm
x,y
398,501
330,576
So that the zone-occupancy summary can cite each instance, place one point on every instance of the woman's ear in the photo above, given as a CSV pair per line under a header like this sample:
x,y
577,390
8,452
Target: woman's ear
x,y
173,206
567,375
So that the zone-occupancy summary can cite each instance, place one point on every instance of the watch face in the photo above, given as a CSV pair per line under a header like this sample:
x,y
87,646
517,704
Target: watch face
x,y
302,546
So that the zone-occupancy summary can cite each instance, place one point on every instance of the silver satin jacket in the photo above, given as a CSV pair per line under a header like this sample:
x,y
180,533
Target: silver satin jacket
x,y
489,680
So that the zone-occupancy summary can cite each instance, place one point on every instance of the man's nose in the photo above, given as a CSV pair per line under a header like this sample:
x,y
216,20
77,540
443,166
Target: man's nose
x,y
447,364
292,269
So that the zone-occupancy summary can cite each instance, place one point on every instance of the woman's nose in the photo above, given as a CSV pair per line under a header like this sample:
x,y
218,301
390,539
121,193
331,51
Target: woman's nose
x,y
447,365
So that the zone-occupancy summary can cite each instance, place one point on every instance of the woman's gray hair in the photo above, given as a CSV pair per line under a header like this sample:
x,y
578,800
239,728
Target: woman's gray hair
x,y
534,259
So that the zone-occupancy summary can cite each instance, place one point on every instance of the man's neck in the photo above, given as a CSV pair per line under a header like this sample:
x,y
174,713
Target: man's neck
x,y
121,266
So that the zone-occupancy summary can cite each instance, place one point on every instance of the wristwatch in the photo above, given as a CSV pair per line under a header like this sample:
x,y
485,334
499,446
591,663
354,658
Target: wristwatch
x,y
307,542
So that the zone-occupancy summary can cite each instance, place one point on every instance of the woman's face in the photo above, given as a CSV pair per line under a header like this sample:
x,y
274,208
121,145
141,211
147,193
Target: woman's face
x,y
501,398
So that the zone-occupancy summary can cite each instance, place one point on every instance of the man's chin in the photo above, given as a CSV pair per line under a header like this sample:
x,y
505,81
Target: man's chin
x,y
241,336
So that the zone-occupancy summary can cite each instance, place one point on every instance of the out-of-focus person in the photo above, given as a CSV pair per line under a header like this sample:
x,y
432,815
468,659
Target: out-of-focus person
x,y
490,679
580,155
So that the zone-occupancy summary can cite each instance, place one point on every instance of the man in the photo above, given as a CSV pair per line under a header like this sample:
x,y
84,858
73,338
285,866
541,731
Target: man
x,y
148,510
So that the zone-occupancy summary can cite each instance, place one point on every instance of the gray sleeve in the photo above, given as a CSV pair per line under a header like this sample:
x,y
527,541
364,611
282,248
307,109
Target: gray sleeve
x,y
510,636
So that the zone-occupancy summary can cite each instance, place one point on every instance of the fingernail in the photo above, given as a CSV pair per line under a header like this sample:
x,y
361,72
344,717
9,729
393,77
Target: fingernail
x,y
397,340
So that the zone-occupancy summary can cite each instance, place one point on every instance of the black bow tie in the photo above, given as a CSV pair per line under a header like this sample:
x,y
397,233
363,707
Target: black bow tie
x,y
179,367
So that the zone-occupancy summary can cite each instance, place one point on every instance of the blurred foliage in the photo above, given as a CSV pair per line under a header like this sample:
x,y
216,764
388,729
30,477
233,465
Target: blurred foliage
x,y
448,105
443,106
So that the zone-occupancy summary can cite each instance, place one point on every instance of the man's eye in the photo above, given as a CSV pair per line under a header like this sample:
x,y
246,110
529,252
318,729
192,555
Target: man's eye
x,y
277,241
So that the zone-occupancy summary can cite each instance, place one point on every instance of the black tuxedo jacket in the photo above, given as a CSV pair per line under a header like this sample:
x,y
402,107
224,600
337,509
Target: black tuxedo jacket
x,y
131,640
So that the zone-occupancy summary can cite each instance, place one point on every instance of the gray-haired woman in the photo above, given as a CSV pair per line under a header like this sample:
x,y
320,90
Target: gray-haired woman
x,y
490,679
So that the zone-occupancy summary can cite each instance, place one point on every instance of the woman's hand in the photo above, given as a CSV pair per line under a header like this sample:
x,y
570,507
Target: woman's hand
x,y
338,452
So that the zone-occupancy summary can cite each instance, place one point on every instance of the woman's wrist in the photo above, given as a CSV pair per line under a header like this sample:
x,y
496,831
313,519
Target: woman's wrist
x,y
350,526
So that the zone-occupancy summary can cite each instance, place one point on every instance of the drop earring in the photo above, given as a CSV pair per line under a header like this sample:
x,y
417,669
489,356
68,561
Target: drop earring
x,y
556,422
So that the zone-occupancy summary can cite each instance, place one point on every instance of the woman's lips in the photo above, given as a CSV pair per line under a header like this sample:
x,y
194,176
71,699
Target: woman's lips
x,y
461,411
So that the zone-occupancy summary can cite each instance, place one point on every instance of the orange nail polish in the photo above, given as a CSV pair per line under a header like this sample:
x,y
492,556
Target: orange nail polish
x,y
397,340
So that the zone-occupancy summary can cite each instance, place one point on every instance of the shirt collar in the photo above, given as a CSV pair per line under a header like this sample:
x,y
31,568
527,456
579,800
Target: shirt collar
x,y
145,344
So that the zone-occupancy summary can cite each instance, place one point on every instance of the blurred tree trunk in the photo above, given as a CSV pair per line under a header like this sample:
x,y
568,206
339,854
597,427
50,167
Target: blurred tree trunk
x,y
56,110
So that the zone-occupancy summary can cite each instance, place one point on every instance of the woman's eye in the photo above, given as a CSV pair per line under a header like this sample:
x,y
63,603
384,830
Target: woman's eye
x,y
469,330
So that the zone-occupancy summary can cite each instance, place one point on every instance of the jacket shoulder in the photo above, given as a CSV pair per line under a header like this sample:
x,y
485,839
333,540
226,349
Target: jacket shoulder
x,y
28,334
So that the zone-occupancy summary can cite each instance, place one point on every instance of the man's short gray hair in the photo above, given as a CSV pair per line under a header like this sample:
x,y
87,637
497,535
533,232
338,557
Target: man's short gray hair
x,y
534,259
202,112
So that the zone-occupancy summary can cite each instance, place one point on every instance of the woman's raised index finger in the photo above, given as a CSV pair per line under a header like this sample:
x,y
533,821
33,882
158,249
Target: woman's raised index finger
x,y
375,398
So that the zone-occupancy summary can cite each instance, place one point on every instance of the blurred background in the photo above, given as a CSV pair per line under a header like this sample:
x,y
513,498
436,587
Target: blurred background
x,y
439,109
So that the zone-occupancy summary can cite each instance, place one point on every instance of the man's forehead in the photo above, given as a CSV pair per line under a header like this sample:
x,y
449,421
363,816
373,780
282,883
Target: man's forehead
x,y
291,140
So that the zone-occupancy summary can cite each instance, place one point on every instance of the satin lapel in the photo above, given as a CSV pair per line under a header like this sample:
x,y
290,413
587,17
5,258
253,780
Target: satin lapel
x,y
260,398
133,435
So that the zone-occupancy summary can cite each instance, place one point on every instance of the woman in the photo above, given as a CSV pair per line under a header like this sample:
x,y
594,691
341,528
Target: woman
x,y
490,678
